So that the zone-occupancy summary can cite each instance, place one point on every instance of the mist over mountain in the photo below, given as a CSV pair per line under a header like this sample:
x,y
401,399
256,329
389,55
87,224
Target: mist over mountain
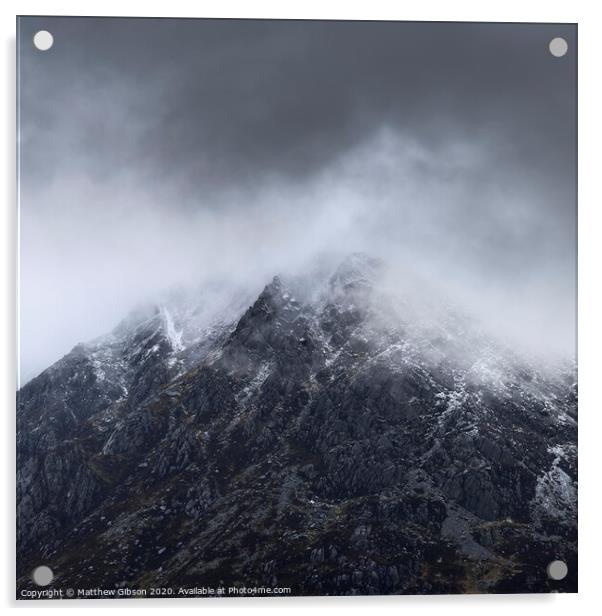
x,y
237,148
322,435
297,305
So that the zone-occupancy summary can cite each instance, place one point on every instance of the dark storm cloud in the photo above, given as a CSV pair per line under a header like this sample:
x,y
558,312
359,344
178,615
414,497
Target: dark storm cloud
x,y
231,100
150,146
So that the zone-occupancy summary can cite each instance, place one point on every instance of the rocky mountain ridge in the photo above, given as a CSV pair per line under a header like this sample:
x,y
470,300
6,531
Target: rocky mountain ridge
x,y
329,443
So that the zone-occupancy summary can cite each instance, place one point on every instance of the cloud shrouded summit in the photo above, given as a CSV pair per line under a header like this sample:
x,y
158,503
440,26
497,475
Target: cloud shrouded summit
x,y
159,152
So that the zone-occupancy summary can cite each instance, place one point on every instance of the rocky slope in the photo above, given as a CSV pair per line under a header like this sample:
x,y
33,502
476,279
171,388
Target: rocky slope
x,y
331,441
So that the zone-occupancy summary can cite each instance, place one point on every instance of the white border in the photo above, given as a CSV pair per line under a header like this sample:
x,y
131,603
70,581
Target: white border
x,y
590,309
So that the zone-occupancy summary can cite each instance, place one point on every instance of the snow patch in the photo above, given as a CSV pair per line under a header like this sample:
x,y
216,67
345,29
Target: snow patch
x,y
555,491
174,336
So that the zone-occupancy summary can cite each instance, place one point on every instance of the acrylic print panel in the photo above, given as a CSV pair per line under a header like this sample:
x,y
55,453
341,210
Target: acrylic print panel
x,y
297,308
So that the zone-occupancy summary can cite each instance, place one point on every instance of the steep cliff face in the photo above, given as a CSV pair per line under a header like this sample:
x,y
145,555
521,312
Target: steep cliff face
x,y
331,441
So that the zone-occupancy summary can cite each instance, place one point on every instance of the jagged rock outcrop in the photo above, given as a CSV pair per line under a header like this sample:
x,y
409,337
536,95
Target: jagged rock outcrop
x,y
335,445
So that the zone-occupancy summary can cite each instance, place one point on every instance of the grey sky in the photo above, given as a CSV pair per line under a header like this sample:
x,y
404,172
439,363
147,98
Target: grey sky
x,y
162,151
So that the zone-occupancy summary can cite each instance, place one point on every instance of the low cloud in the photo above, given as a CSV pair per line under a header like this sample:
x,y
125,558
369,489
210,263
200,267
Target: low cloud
x,y
239,150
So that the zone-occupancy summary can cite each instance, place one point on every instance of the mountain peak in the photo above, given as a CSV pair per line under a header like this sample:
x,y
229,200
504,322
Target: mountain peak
x,y
357,271
286,403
